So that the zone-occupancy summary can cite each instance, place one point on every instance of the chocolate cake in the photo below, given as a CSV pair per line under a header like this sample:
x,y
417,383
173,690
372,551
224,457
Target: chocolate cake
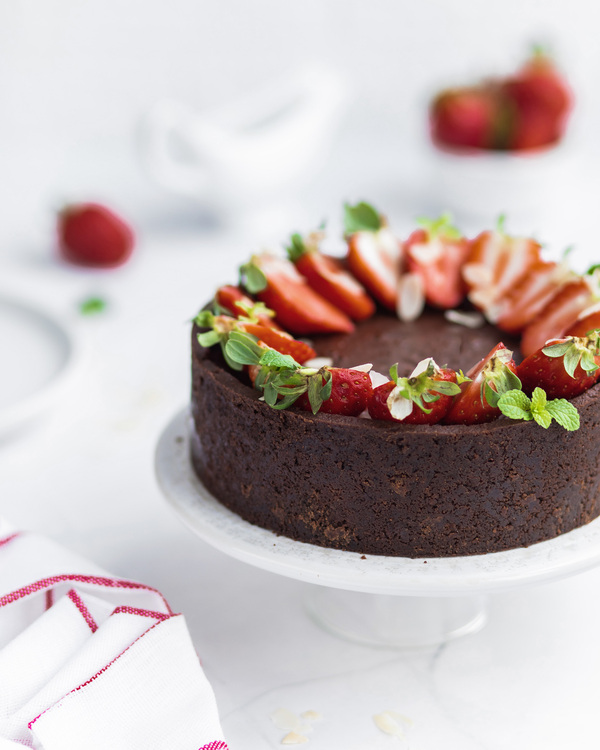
x,y
388,488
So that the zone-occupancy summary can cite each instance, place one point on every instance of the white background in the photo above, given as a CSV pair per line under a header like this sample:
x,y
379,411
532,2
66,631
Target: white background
x,y
75,79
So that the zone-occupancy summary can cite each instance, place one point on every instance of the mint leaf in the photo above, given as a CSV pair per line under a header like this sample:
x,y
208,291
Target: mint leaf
x,y
563,412
515,405
92,306
538,400
252,278
361,218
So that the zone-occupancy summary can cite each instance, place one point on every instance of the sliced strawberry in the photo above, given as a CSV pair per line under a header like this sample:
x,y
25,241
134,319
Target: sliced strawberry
x,y
495,264
489,379
238,304
529,295
373,253
422,398
279,340
587,321
559,313
349,392
328,277
563,368
298,307
437,253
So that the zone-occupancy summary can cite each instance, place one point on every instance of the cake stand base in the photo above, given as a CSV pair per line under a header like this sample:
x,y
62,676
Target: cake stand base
x,y
394,621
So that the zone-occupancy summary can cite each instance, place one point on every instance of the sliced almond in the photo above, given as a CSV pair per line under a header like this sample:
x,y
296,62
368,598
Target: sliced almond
x,y
410,299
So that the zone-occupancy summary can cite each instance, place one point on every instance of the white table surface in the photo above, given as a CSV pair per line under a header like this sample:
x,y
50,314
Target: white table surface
x,y
84,476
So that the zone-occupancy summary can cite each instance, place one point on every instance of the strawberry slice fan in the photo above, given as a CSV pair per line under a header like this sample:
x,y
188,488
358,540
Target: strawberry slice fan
x,y
91,660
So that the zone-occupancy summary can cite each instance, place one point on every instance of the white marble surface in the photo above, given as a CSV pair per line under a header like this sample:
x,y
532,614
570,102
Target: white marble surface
x,y
85,477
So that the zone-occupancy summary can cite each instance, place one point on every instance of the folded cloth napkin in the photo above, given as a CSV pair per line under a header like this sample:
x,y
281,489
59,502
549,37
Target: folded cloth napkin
x,y
91,661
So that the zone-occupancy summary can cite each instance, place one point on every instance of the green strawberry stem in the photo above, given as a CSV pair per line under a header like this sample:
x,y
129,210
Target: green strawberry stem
x,y
577,351
441,227
361,218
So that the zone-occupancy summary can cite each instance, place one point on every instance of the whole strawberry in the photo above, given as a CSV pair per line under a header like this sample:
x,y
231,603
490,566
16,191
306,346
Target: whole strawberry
x,y
90,234
478,400
468,118
337,390
422,398
563,368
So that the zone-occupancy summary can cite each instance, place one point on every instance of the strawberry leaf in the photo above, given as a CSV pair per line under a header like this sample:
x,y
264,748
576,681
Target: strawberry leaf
x,y
242,349
274,359
361,218
252,278
440,227
204,319
208,338
297,248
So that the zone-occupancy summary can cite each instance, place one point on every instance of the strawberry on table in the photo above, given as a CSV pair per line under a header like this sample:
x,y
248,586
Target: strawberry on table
x,y
468,118
563,368
329,277
436,253
477,402
373,252
422,398
233,300
90,234
559,313
541,100
496,263
298,307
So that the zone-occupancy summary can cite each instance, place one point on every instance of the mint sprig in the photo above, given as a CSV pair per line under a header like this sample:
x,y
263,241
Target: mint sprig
x,y
361,218
517,405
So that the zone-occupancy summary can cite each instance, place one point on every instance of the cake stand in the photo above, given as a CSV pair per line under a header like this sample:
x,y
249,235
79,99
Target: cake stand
x,y
372,599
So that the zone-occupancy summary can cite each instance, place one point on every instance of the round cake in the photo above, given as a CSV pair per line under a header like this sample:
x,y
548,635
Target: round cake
x,y
389,487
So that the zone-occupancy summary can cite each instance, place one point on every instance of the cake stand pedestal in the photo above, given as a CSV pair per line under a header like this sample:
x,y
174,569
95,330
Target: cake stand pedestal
x,y
383,601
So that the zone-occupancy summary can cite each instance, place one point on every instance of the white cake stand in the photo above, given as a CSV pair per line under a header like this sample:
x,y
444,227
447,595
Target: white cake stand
x,y
385,601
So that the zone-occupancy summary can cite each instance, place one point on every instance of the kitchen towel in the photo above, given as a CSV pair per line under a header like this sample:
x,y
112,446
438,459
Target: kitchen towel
x,y
88,660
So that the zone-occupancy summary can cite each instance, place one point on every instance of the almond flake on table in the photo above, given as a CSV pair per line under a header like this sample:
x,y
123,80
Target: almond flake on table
x,y
285,720
293,738
388,724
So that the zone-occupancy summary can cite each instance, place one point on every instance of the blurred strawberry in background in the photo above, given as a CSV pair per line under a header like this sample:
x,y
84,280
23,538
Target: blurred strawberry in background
x,y
525,111
90,234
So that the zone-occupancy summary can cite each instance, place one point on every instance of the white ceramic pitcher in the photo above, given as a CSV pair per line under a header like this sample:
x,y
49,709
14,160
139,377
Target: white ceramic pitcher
x,y
265,141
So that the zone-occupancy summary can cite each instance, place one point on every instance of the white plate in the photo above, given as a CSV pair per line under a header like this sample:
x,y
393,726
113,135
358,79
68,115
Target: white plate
x,y
451,576
39,359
